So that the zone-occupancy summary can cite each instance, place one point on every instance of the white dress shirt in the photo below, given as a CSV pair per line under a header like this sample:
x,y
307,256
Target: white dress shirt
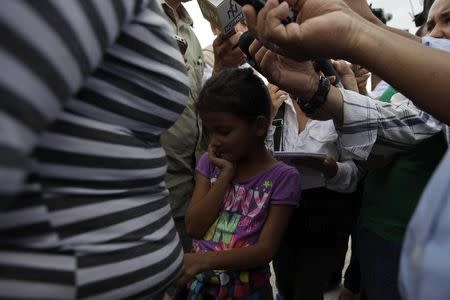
x,y
317,137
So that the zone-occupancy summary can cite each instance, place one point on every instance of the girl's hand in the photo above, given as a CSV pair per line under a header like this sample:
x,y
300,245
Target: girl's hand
x,y
278,96
192,264
327,165
227,168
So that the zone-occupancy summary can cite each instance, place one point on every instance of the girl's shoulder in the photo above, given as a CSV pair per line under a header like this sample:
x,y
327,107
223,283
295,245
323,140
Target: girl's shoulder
x,y
204,158
286,185
282,169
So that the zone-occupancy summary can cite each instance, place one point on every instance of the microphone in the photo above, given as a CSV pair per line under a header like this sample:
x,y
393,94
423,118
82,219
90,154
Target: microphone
x,y
259,4
223,14
324,65
245,40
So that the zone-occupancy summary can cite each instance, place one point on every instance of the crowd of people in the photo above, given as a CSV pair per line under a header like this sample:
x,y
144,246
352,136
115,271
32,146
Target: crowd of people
x,y
134,168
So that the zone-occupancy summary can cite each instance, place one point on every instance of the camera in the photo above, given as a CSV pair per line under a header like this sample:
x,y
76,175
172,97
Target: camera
x,y
182,44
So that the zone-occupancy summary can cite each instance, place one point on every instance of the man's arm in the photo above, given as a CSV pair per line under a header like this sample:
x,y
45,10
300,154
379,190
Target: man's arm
x,y
371,126
364,124
344,34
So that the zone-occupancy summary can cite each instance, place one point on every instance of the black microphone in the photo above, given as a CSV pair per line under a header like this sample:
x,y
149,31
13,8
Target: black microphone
x,y
324,65
327,69
245,40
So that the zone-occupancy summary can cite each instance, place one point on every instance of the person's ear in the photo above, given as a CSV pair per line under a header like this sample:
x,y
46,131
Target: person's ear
x,y
261,125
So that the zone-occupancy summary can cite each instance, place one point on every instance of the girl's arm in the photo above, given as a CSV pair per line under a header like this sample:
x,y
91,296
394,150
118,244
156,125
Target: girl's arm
x,y
204,206
242,258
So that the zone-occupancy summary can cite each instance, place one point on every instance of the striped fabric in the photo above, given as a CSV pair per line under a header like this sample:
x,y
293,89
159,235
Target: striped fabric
x,y
87,87
372,126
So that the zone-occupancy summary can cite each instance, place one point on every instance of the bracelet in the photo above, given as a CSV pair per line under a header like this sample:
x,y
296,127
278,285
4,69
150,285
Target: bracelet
x,y
318,99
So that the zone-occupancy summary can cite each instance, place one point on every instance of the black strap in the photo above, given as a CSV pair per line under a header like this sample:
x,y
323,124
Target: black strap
x,y
278,122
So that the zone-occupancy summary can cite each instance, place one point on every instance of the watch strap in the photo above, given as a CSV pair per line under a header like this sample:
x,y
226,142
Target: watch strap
x,y
318,99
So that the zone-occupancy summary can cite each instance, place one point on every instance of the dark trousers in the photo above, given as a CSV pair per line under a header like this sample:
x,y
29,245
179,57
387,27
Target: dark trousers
x,y
314,243
352,277
303,271
186,240
379,261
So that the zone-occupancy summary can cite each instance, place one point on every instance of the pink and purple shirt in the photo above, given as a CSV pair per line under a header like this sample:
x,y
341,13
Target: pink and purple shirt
x,y
246,205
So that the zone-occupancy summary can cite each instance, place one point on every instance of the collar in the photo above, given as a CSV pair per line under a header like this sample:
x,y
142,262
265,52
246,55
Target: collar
x,y
289,103
182,12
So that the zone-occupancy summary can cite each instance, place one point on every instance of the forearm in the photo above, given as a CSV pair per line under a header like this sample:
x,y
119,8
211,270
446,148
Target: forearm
x,y
202,213
361,8
237,258
403,68
371,126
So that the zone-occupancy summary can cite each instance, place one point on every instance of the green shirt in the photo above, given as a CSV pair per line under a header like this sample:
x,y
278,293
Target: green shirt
x,y
391,194
182,142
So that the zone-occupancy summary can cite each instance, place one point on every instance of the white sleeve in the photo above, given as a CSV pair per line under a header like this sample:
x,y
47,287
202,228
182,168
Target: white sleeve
x,y
269,138
346,178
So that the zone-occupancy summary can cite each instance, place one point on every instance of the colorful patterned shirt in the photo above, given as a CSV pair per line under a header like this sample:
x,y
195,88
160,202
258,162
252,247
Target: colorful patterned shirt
x,y
246,205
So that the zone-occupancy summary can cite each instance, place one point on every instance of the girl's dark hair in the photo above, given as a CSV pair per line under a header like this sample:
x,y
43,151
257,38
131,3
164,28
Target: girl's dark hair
x,y
237,91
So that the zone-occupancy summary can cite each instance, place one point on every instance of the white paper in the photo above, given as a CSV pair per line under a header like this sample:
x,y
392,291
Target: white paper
x,y
309,178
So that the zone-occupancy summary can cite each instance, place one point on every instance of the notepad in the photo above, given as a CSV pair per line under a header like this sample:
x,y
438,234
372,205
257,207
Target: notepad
x,y
309,178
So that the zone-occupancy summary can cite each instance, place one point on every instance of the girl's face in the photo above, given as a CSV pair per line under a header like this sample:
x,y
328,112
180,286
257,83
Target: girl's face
x,y
231,137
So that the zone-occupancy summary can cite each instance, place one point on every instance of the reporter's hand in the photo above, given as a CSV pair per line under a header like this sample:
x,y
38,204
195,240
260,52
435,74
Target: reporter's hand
x,y
324,28
226,52
278,96
362,75
346,74
297,78
327,165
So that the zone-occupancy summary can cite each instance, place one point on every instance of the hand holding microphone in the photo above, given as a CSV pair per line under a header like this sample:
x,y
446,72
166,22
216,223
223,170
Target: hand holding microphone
x,y
296,77
324,65
226,52
322,28
222,14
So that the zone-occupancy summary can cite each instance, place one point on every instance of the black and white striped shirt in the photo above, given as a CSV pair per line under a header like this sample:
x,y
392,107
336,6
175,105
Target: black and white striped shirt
x,y
87,87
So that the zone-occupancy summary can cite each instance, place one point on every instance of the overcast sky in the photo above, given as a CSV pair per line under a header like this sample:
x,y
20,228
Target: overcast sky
x,y
400,10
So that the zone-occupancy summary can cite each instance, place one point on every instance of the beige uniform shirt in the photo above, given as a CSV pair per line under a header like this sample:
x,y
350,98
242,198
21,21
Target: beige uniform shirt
x,y
208,54
182,142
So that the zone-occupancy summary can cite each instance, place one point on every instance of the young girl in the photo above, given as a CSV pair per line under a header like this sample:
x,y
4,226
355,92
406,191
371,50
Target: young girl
x,y
243,196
